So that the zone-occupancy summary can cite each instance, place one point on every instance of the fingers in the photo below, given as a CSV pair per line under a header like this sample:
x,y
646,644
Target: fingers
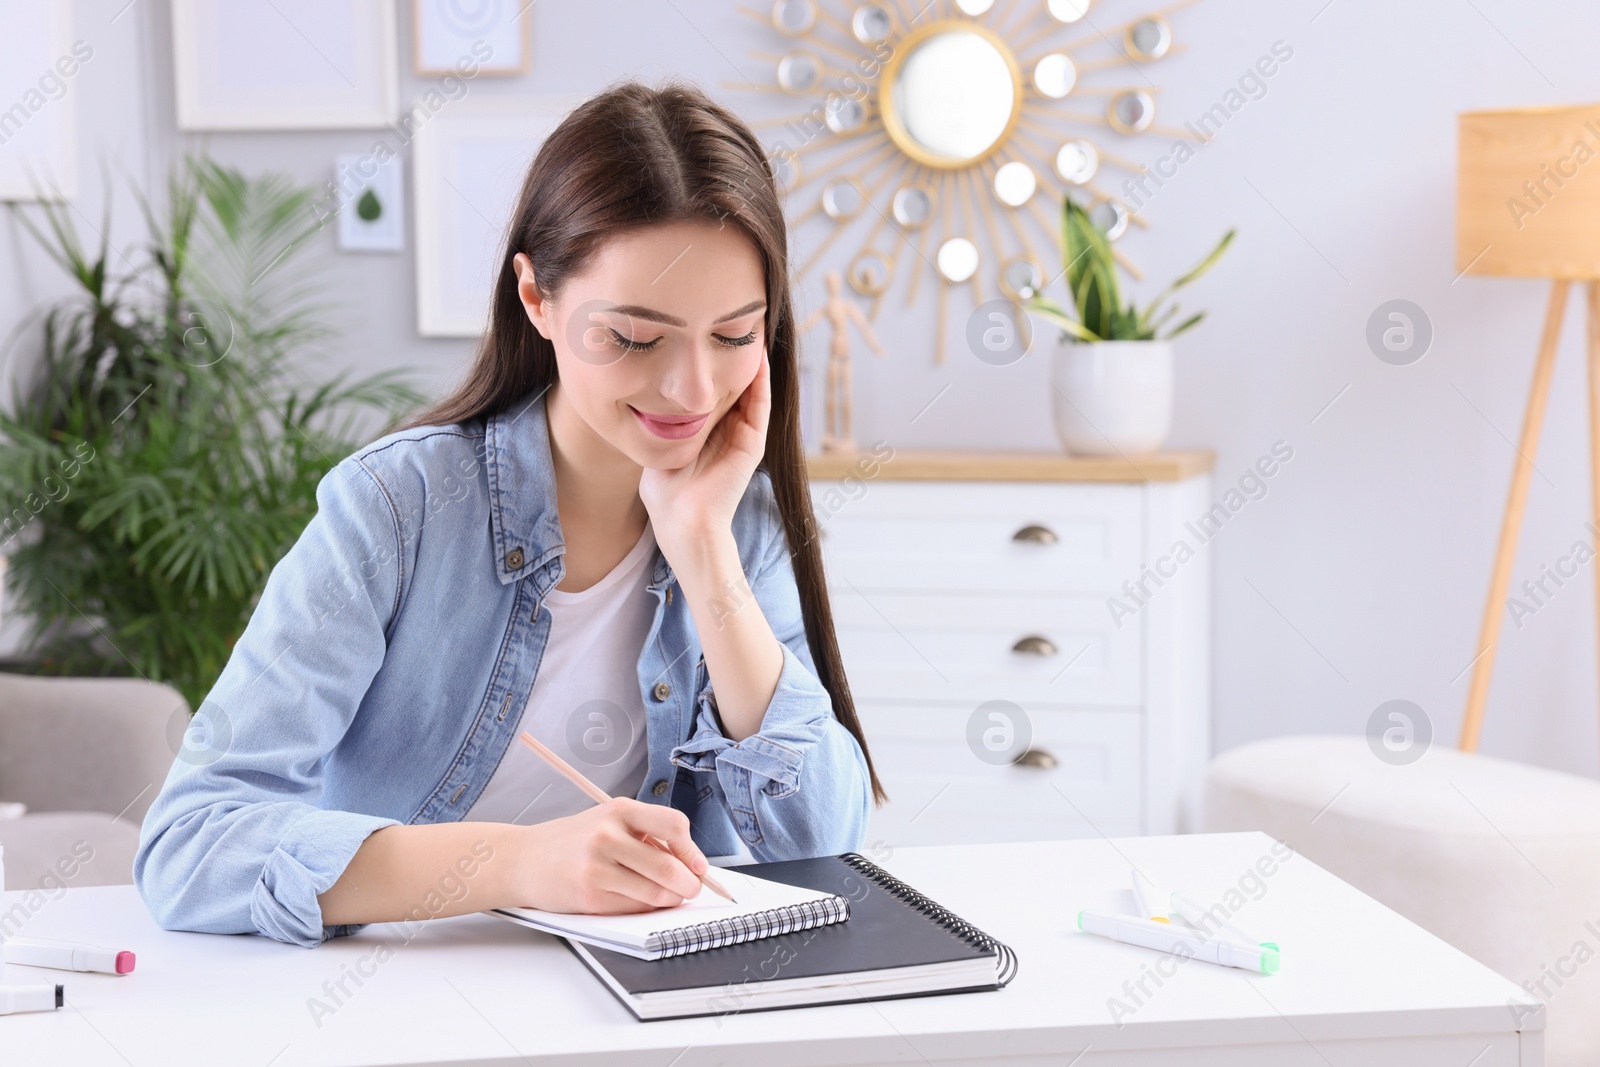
x,y
744,428
758,402
605,902
759,392
687,853
643,892
669,825
664,870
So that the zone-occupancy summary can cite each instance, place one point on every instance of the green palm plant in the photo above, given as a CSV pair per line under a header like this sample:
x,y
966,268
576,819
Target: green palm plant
x,y
167,454
1097,299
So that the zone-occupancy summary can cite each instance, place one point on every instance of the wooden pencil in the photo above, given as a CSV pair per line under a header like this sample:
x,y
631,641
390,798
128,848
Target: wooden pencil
x,y
600,796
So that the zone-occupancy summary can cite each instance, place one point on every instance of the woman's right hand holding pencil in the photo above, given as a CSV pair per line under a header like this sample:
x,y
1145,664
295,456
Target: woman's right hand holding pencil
x,y
597,861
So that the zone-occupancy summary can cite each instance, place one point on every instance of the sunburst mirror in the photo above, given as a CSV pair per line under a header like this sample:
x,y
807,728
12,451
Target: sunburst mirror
x,y
942,128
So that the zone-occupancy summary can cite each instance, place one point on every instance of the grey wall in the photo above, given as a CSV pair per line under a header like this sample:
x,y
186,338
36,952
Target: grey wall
x,y
1361,575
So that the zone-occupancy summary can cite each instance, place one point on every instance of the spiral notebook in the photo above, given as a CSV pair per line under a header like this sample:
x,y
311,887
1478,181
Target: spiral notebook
x,y
762,908
895,943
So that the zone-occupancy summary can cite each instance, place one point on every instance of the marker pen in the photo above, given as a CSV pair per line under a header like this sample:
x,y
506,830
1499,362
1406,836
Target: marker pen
x,y
1146,933
18,998
1202,920
1152,902
67,956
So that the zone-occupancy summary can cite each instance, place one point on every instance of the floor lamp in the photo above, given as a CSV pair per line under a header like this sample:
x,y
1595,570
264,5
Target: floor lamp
x,y
1528,205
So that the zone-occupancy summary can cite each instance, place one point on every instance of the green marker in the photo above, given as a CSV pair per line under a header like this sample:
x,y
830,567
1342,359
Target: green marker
x,y
1173,940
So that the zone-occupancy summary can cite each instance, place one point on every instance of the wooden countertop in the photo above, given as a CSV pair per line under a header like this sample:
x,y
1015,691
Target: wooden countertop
x,y
917,465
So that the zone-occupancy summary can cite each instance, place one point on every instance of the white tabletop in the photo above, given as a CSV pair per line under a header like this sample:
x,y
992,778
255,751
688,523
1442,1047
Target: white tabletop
x,y
1358,985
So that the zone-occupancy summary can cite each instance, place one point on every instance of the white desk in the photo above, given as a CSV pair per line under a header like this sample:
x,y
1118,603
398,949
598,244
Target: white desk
x,y
1360,986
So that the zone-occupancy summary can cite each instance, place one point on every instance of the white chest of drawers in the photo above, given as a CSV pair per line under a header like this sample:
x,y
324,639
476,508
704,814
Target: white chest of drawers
x,y
989,605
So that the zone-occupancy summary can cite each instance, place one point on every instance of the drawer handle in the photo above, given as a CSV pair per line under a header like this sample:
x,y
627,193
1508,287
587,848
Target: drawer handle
x,y
1035,645
1035,534
1037,758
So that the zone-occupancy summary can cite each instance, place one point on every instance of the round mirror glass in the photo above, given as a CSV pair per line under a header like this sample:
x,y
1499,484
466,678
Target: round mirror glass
x,y
799,72
871,23
1021,278
1111,217
794,17
1077,161
1132,111
1014,183
952,99
1055,75
842,199
1149,38
958,259
913,207
974,7
1068,10
869,272
844,114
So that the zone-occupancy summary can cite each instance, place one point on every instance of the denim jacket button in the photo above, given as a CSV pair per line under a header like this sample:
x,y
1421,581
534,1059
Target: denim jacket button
x,y
662,691
660,788
514,558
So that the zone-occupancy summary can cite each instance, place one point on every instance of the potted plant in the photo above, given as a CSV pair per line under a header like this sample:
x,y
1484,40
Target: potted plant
x,y
167,453
1112,370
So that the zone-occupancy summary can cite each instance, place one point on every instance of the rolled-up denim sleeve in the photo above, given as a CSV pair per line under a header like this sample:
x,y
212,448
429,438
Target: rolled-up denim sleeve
x,y
799,786
236,841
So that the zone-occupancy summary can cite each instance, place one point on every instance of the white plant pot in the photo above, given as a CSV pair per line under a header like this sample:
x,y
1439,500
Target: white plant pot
x,y
1112,397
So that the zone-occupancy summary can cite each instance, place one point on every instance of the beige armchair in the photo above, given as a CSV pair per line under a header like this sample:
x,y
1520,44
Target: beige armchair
x,y
87,757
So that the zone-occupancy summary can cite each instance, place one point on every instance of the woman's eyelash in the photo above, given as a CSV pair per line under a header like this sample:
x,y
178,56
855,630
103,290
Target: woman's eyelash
x,y
644,346
738,342
632,345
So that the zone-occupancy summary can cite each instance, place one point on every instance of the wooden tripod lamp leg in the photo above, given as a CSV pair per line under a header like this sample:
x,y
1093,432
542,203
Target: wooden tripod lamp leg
x,y
1522,474
1594,426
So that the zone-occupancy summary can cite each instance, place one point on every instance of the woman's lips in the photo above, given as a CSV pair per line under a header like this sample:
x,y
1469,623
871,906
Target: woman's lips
x,y
670,427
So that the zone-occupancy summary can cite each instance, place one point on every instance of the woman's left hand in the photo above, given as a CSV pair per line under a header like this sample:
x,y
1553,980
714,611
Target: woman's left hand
x,y
699,498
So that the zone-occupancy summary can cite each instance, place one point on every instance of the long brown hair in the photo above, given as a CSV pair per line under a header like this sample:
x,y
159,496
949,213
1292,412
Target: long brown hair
x,y
635,156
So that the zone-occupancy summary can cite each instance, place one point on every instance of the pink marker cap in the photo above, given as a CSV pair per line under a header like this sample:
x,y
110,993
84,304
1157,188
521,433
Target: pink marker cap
x,y
124,962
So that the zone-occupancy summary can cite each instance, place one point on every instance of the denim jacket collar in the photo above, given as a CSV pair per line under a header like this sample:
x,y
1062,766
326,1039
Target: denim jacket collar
x,y
525,524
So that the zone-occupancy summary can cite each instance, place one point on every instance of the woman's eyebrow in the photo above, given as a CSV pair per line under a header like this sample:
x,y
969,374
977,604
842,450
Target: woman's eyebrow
x,y
672,320
754,305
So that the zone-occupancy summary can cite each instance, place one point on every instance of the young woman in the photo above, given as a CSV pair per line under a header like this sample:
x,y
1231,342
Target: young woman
x,y
603,538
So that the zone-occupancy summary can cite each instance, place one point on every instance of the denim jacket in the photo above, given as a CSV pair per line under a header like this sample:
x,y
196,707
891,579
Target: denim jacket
x,y
383,675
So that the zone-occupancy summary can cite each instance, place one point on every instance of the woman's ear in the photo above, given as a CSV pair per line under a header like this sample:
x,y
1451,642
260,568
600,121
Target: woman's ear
x,y
533,302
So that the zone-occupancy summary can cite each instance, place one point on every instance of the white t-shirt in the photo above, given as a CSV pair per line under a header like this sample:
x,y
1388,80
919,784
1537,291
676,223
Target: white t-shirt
x,y
585,703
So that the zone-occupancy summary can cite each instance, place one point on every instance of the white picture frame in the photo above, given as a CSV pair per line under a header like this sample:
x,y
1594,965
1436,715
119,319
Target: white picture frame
x,y
468,165
39,64
446,33
284,65
355,174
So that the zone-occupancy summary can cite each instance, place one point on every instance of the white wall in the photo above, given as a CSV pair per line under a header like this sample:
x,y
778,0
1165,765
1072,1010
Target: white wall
x,y
1360,577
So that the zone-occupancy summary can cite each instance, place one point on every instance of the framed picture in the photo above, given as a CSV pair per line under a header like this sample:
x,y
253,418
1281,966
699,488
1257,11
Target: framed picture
x,y
38,63
469,163
284,65
498,34
371,209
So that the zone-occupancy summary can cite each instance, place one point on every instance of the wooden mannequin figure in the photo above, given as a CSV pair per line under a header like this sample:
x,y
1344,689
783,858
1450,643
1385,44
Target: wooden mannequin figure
x,y
840,312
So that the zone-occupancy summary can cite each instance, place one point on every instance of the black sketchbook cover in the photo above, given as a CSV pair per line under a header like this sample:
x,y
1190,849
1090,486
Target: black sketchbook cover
x,y
891,925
